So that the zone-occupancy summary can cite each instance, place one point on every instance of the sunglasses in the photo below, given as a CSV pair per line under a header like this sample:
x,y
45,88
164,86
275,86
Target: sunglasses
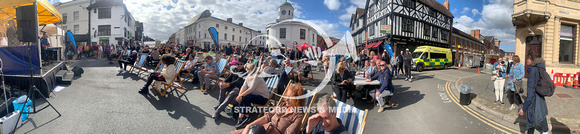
x,y
239,64
382,65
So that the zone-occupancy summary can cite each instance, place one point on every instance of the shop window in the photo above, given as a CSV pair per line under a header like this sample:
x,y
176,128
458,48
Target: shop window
x,y
566,44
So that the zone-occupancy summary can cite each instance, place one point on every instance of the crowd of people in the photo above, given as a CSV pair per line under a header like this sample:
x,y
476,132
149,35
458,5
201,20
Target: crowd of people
x,y
244,86
513,71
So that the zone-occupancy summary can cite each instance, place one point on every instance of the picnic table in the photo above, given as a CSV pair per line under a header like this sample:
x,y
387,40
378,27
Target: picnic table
x,y
359,80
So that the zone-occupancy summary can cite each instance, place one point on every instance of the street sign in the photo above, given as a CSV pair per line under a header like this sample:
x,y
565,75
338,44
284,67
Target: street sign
x,y
386,29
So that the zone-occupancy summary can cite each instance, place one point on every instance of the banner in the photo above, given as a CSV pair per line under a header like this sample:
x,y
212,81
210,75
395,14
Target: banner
x,y
15,60
214,35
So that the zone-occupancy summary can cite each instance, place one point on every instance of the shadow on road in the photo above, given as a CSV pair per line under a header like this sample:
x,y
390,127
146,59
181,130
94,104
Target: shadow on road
x,y
177,108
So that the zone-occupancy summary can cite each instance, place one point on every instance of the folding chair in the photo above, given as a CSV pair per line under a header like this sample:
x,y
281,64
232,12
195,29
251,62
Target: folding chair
x,y
309,102
290,83
119,57
353,119
172,83
159,67
272,84
139,65
221,65
189,74
311,72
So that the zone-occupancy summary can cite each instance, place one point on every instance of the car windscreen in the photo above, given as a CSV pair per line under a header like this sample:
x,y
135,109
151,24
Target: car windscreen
x,y
416,54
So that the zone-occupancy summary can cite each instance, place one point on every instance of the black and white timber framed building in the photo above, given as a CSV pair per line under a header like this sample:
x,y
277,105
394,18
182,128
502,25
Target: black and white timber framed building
x,y
413,23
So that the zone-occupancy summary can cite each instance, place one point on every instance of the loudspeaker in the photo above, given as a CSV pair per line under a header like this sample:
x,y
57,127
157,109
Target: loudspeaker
x,y
78,71
27,25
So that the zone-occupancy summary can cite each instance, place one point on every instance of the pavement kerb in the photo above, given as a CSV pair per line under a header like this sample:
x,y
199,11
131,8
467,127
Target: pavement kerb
x,y
477,103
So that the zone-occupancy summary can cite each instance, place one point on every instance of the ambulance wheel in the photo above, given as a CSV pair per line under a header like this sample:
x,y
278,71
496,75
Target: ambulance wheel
x,y
420,68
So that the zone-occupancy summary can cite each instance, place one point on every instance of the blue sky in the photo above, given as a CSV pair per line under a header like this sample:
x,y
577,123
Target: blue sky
x,y
165,17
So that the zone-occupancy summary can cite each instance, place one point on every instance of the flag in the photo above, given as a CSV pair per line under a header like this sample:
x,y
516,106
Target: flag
x,y
214,35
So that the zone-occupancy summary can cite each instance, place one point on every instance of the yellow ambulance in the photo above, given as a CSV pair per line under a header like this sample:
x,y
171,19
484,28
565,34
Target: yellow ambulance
x,y
430,57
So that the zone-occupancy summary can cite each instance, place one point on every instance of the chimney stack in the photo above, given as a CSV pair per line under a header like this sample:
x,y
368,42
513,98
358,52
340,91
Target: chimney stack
x,y
241,24
446,4
475,33
229,20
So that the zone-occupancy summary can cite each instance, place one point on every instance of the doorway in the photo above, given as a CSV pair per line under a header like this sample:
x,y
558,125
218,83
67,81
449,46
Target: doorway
x,y
533,43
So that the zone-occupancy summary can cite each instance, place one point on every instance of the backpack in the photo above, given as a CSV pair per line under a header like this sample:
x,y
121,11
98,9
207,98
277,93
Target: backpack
x,y
545,86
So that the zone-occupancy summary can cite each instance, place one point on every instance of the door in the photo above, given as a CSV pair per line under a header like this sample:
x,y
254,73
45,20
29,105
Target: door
x,y
533,43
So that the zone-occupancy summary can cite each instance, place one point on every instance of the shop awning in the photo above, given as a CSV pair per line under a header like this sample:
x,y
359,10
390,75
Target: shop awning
x,y
47,14
373,45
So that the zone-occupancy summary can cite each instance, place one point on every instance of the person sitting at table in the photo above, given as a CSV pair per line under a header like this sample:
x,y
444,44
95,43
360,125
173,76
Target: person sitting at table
x,y
386,88
342,82
286,119
129,60
325,122
205,75
232,84
371,70
253,91
166,73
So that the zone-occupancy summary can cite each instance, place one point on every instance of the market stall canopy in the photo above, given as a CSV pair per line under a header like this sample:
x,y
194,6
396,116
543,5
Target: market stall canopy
x,y
47,14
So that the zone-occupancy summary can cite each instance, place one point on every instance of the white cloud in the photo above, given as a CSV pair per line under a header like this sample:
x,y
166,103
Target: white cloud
x,y
330,28
465,10
495,21
160,22
344,19
359,3
332,4
475,12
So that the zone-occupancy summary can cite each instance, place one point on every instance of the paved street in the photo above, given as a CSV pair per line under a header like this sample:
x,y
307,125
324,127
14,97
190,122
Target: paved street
x,y
103,101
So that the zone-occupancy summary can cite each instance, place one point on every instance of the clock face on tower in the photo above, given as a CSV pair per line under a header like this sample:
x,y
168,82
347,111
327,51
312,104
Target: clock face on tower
x,y
283,12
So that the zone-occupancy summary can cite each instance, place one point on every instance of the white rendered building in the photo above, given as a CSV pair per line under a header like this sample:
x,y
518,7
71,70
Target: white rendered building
x,y
111,23
196,32
75,18
290,33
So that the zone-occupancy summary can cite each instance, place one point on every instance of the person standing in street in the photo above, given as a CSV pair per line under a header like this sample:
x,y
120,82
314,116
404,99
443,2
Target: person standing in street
x,y
394,63
400,57
498,73
535,104
408,59
515,76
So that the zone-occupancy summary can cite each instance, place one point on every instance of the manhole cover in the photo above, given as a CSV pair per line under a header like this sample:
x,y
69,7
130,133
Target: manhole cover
x,y
563,95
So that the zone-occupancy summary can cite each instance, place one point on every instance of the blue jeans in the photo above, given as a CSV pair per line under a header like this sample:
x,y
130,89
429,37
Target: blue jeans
x,y
251,98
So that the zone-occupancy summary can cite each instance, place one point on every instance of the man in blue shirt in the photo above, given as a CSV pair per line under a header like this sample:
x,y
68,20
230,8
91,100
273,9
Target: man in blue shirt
x,y
386,88
205,75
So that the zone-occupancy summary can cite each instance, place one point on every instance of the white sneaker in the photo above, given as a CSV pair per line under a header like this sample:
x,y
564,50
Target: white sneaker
x,y
121,70
381,108
512,107
124,71
410,80
545,133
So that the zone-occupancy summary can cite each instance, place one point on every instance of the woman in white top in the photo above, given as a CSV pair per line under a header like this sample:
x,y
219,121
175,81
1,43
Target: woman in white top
x,y
167,72
254,90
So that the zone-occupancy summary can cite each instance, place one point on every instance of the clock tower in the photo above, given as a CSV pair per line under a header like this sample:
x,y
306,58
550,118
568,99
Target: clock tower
x,y
285,11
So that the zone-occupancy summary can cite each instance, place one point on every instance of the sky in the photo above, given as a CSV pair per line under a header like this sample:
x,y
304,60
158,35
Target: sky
x,y
162,18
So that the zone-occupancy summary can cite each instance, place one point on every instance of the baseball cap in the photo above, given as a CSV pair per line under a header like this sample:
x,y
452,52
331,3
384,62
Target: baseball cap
x,y
407,49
